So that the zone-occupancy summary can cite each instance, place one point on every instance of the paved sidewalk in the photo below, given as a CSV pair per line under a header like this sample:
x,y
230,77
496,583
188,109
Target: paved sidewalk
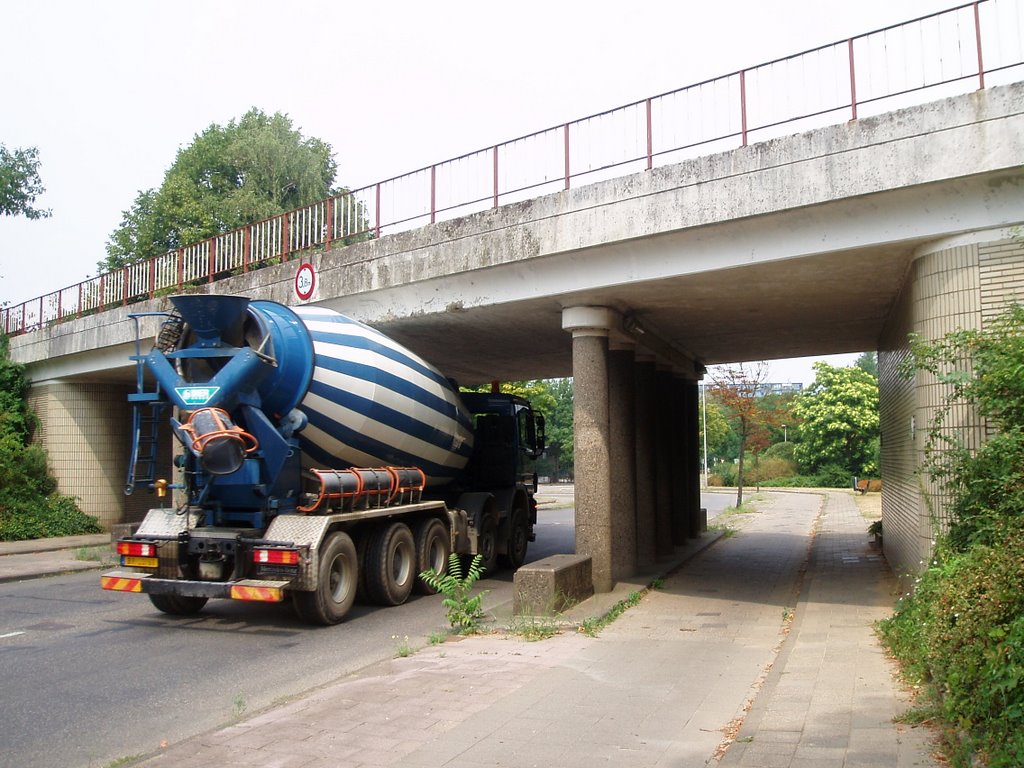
x,y
829,701
20,560
667,684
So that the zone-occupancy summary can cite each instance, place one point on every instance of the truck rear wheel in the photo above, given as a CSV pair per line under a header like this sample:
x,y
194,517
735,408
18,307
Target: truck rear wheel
x,y
337,579
390,564
433,545
178,605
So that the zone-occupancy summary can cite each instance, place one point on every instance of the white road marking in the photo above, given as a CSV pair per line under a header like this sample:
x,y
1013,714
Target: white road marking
x,y
11,634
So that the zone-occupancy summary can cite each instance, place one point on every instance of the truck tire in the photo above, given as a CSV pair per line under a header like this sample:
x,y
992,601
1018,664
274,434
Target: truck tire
x,y
337,579
518,540
433,545
390,564
487,545
178,605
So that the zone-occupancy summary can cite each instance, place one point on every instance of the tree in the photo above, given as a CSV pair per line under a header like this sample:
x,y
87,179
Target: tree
x,y
20,184
719,431
868,361
559,428
839,420
737,388
230,176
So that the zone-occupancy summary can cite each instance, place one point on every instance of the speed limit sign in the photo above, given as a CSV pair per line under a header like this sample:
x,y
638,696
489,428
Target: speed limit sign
x,y
305,281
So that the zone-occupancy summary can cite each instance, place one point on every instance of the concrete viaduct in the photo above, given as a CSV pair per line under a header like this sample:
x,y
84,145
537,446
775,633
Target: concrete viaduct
x,y
840,239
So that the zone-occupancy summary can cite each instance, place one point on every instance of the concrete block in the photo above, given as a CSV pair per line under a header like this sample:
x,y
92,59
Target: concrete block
x,y
553,584
121,530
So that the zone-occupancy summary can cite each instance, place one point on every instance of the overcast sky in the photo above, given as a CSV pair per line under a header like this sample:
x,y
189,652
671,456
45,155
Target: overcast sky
x,y
110,90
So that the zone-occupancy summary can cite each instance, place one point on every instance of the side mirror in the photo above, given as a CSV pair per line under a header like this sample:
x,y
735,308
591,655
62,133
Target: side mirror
x,y
541,443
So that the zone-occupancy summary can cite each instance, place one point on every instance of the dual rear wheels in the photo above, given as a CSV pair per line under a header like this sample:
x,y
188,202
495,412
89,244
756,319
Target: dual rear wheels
x,y
384,569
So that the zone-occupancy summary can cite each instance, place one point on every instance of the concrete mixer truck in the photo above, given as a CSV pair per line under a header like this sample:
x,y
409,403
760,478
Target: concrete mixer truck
x,y
318,460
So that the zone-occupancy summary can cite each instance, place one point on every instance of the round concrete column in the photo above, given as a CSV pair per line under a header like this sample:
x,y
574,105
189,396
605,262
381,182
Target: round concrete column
x,y
646,476
691,406
677,451
664,476
622,433
589,327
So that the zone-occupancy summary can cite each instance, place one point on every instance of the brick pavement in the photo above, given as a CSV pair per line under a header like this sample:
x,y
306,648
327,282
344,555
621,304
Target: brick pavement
x,y
666,684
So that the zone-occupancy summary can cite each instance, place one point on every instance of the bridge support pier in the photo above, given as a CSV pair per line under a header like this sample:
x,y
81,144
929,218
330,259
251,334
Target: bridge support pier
x,y
637,469
591,444
622,428
645,452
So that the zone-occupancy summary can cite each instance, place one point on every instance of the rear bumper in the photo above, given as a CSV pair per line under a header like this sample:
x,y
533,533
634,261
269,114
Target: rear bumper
x,y
263,590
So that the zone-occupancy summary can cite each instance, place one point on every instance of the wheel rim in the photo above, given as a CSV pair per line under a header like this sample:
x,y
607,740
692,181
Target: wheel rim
x,y
435,556
401,564
340,579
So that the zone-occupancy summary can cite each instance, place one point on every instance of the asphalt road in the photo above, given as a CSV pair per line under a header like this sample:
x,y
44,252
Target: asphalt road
x,y
92,676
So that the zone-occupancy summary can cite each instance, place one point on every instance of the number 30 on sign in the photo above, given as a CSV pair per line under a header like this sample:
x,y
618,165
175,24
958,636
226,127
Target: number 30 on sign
x,y
305,281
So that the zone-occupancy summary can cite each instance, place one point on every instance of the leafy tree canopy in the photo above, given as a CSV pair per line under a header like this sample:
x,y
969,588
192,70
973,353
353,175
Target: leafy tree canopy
x,y
839,419
231,175
20,184
719,432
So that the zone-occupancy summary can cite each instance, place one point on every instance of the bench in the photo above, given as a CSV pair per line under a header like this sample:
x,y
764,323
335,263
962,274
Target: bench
x,y
551,585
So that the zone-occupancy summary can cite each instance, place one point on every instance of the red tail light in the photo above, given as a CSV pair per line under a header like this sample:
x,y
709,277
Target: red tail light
x,y
276,556
136,549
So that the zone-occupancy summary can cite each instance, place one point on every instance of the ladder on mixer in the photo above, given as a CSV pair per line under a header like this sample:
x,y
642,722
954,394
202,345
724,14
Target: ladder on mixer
x,y
148,407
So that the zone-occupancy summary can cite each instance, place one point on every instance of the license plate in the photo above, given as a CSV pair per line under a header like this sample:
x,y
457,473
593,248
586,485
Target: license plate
x,y
141,562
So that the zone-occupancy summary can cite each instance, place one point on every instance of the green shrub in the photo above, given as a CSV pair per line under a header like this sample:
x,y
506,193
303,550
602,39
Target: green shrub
x,y
834,476
785,451
726,470
961,634
30,508
53,515
769,468
793,481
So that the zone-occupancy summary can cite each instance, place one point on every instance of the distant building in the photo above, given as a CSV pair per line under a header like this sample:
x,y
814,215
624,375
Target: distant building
x,y
777,388
770,388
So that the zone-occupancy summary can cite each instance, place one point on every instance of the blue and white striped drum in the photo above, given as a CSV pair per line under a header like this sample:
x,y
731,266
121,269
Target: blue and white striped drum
x,y
371,402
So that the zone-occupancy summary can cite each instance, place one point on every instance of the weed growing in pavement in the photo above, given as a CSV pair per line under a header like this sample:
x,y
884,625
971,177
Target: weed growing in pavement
x,y
238,707
98,554
403,649
465,610
123,761
658,584
726,531
436,638
534,628
592,626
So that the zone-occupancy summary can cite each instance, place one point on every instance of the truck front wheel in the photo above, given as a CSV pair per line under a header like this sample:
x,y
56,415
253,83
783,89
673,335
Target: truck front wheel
x,y
518,540
337,580
178,605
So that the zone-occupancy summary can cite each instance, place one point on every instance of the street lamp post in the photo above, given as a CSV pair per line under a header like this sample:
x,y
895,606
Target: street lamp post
x,y
785,434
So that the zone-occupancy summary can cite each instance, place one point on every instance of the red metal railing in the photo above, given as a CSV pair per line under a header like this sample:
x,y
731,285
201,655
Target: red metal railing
x,y
929,57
